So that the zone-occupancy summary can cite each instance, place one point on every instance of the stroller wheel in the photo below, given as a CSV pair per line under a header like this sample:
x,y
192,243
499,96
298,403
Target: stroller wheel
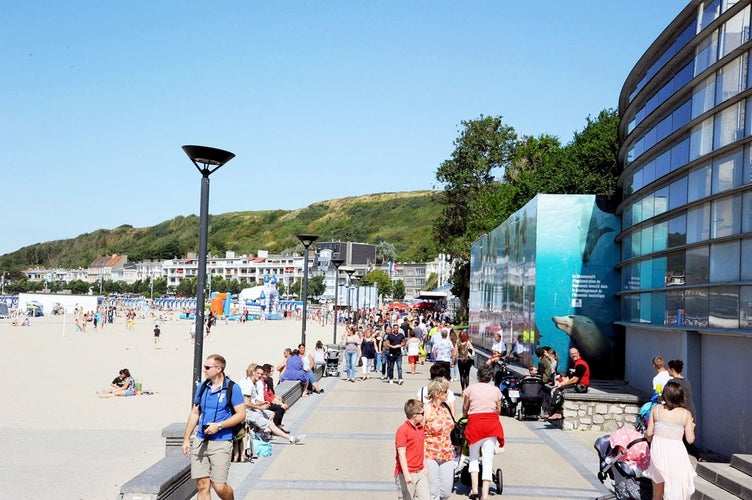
x,y
499,481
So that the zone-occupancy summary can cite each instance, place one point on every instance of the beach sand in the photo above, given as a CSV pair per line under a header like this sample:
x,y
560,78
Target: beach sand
x,y
64,441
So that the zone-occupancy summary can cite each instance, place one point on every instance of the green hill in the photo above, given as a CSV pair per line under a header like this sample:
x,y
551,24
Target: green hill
x,y
403,219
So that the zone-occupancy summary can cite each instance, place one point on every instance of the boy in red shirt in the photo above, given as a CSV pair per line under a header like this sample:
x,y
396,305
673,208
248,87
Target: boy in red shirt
x,y
410,473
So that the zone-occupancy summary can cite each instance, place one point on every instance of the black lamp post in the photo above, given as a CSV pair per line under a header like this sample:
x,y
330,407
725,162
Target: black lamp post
x,y
307,240
356,314
336,263
349,271
207,161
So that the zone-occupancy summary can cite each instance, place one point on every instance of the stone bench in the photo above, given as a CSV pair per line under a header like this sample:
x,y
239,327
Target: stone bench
x,y
607,406
170,477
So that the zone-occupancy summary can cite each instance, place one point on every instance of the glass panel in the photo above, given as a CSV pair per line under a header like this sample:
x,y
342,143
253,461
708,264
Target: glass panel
x,y
681,116
698,224
730,80
645,308
660,201
631,308
658,278
660,236
646,270
745,307
729,125
735,32
663,164
680,154
658,308
724,307
675,272
696,307
637,180
697,265
701,139
725,217
746,215
747,166
703,97
626,247
648,176
724,262
636,243
699,183
677,196
630,277
674,308
727,172
746,267
711,9
664,128
677,231
706,53
647,241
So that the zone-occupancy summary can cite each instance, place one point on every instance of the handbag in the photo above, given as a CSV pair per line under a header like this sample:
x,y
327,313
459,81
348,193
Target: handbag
x,y
457,435
262,448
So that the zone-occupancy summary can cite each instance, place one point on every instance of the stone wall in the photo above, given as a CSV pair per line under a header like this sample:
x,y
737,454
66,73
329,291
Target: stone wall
x,y
598,415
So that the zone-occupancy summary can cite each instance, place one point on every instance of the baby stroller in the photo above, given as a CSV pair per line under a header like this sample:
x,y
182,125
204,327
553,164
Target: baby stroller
x,y
623,456
531,398
462,471
332,363
509,387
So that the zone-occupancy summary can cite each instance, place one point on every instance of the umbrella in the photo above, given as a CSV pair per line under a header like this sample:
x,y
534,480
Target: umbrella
x,y
397,305
638,453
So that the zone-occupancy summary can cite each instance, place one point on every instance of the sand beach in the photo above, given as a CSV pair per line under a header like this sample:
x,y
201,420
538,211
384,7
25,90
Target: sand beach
x,y
69,444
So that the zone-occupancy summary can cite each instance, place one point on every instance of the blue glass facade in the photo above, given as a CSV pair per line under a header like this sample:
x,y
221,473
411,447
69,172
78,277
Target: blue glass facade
x,y
686,209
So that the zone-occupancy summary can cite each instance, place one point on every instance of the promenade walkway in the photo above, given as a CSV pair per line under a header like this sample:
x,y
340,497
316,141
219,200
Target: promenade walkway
x,y
349,450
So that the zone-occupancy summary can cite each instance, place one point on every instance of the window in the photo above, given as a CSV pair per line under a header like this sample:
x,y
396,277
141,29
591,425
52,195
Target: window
x,y
699,183
729,125
703,98
680,154
706,53
731,79
746,214
734,32
724,262
724,307
696,307
725,219
709,12
677,231
745,307
674,308
677,193
701,139
727,172
697,266
675,272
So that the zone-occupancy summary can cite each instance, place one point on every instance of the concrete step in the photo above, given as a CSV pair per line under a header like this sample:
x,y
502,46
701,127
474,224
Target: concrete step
x,y
742,463
730,479
708,491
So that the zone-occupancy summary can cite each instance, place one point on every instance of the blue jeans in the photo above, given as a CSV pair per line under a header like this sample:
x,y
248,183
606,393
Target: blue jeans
x,y
352,362
391,360
379,357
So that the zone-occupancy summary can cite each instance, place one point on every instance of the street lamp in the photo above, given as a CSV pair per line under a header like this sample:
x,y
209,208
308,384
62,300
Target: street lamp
x,y
307,240
349,271
336,263
356,279
210,159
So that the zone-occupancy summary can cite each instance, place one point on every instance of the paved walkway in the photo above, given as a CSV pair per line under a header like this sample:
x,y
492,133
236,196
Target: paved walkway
x,y
349,450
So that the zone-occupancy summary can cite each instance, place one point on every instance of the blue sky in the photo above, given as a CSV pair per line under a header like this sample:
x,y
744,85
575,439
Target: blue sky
x,y
318,99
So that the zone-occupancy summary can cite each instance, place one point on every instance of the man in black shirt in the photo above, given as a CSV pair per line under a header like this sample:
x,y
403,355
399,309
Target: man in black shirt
x,y
394,343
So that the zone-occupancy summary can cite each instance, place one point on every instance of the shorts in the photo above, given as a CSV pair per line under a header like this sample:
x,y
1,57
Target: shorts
x,y
411,360
258,419
130,392
211,459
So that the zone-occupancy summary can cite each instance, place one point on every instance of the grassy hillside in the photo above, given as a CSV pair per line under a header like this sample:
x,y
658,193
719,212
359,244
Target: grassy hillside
x,y
402,219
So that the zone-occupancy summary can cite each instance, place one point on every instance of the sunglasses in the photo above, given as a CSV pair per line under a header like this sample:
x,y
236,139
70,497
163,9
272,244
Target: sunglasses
x,y
209,367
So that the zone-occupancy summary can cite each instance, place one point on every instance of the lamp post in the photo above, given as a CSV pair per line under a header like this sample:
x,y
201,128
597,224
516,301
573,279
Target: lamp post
x,y
336,263
207,161
349,271
356,279
307,240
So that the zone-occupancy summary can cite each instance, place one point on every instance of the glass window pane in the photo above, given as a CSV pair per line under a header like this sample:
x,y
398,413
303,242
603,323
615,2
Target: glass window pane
x,y
658,273
660,201
725,219
680,154
645,308
699,183
724,307
706,53
660,236
729,126
647,241
696,307
730,80
701,139
658,308
677,195
626,247
746,215
698,224
681,116
724,262
663,164
697,265
674,308
677,231
703,97
735,32
727,172
646,271
711,9
675,272
747,164
636,243
746,267
745,307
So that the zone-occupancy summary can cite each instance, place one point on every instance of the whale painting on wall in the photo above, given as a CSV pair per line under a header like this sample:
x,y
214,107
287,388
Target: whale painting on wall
x,y
548,273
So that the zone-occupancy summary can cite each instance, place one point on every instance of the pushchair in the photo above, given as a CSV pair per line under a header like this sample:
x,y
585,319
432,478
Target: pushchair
x,y
510,391
623,456
462,470
332,363
531,398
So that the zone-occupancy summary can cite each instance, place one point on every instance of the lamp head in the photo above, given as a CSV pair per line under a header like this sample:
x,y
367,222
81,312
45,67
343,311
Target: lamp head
x,y
307,239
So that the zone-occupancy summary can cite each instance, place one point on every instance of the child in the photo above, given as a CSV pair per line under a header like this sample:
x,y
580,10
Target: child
x,y
157,331
410,473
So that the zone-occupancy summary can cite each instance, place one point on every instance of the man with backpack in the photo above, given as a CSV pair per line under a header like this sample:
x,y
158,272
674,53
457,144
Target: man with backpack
x,y
218,407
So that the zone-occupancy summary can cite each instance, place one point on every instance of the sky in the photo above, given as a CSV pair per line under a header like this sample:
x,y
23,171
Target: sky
x,y
317,99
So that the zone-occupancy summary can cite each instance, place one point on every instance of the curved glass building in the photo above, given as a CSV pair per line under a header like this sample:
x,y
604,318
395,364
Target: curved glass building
x,y
686,211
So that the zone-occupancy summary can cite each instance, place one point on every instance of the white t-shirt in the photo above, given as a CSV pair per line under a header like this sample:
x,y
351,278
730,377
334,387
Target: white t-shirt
x,y
423,396
499,346
659,381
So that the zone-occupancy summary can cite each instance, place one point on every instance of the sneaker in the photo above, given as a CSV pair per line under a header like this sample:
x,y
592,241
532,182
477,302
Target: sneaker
x,y
400,381
391,381
297,439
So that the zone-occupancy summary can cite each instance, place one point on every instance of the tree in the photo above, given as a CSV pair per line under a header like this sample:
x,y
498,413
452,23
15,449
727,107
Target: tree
x,y
379,278
316,286
485,145
399,290
186,287
385,252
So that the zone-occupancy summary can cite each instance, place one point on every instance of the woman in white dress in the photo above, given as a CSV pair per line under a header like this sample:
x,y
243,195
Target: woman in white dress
x,y
670,469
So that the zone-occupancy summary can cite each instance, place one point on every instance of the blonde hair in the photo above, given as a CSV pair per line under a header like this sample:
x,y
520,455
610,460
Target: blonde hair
x,y
437,386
